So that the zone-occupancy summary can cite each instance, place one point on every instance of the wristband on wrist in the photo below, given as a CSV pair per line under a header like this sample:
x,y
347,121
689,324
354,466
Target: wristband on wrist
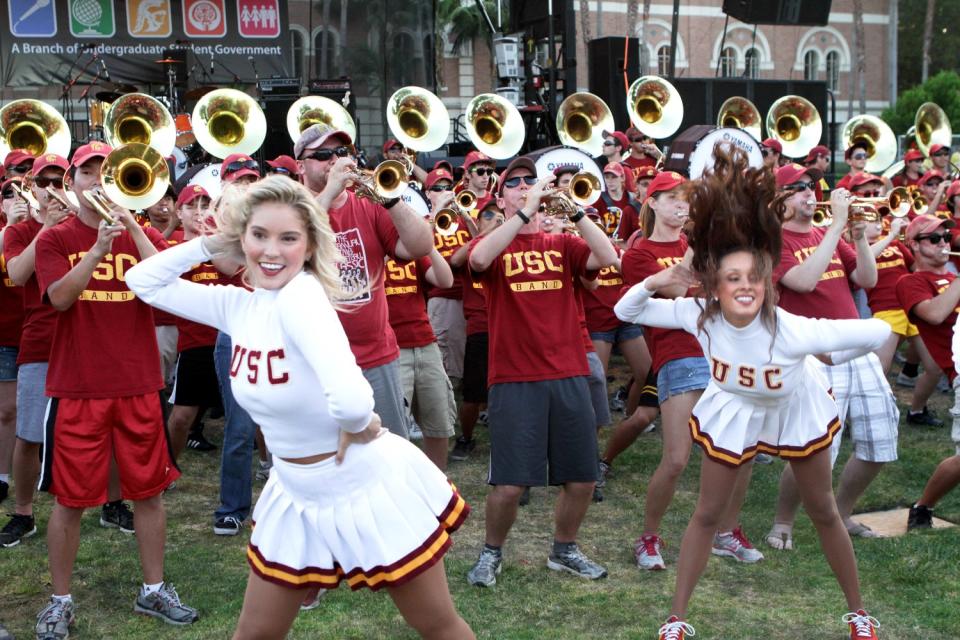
x,y
578,216
523,216
388,204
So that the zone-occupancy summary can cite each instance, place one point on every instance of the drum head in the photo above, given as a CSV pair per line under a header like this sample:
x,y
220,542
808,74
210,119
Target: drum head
x,y
415,200
546,160
209,179
702,158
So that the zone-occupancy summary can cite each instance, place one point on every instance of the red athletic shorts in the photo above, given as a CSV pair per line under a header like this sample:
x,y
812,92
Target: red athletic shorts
x,y
81,435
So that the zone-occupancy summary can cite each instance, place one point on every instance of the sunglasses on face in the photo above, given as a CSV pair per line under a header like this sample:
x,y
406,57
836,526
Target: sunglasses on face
x,y
936,238
44,182
237,165
512,183
488,215
933,184
437,188
322,155
873,193
481,171
608,143
941,154
799,186
859,156
21,168
766,152
637,139
8,194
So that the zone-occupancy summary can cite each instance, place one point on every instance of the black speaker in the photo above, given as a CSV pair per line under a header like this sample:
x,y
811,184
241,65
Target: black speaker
x,y
796,12
606,74
278,140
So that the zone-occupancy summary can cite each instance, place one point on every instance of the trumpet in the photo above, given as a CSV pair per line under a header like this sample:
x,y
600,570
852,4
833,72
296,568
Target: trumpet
x,y
387,181
100,204
861,210
466,200
445,222
584,188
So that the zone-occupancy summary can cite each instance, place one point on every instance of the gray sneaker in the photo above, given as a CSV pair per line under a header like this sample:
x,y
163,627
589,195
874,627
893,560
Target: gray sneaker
x,y
54,621
573,561
484,573
165,604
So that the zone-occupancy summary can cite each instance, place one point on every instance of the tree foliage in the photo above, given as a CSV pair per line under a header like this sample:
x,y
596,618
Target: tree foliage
x,y
945,45
943,89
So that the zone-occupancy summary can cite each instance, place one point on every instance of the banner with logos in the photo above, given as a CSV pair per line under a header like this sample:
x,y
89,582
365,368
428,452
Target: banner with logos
x,y
49,42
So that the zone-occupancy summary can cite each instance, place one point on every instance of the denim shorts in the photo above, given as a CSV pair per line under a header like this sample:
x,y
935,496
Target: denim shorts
x,y
682,375
8,364
626,331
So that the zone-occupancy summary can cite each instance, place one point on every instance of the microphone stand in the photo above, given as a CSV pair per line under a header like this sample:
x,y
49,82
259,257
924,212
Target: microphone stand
x,y
236,78
66,104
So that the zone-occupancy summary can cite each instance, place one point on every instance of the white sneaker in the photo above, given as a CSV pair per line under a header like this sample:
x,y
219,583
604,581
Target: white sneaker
x,y
414,432
734,544
646,551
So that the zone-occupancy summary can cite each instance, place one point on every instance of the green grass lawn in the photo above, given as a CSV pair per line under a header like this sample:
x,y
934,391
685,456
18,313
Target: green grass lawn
x,y
909,583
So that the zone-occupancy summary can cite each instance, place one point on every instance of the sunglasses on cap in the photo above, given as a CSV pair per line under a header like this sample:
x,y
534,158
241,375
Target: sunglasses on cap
x,y
322,155
437,188
858,156
44,182
935,238
514,182
799,186
237,165
481,171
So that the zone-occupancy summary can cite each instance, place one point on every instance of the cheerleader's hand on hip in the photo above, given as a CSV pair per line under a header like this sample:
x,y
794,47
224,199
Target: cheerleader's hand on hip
x,y
373,431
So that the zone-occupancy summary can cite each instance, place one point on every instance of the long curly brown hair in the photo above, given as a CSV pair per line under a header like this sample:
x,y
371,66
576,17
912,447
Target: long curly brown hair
x,y
734,208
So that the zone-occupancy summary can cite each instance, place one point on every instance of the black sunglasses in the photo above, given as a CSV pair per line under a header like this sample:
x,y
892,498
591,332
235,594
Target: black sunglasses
x,y
936,238
21,168
280,170
512,183
482,171
941,154
437,188
8,194
765,152
237,165
799,186
608,143
489,214
322,155
43,182
859,156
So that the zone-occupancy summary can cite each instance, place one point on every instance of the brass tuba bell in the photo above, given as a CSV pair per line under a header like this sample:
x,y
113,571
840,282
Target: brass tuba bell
x,y
310,110
654,106
932,127
418,119
874,135
228,121
740,113
134,176
137,117
34,126
796,123
495,126
581,120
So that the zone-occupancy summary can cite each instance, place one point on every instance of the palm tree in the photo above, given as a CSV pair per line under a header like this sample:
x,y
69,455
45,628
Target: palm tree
x,y
927,39
463,24
858,77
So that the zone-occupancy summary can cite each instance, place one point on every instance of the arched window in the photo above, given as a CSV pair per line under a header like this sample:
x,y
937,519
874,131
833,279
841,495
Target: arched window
x,y
811,62
297,42
752,63
663,60
326,53
402,54
728,63
833,70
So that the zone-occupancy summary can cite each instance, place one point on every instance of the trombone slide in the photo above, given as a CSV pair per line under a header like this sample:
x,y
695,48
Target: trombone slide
x,y
100,204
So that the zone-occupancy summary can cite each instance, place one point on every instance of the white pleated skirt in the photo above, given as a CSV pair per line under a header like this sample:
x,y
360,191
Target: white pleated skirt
x,y
732,428
379,519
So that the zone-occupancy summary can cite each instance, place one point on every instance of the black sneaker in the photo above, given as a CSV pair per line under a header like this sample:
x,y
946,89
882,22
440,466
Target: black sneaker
x,y
462,448
4,490
227,526
597,494
525,497
117,515
923,419
920,517
18,528
198,442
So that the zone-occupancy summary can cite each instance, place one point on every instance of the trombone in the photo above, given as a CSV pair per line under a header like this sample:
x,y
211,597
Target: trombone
x,y
228,121
655,106
796,124
33,207
35,126
581,120
740,113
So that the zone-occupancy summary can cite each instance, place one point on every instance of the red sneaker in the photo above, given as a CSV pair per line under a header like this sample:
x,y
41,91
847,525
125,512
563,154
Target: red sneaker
x,y
862,625
676,629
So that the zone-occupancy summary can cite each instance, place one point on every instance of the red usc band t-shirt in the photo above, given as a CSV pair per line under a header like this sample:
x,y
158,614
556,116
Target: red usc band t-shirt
x,y
636,164
191,335
163,318
644,259
892,264
404,283
104,345
598,304
901,180
11,308
39,320
914,288
629,217
447,246
365,237
831,298
578,289
535,332
474,303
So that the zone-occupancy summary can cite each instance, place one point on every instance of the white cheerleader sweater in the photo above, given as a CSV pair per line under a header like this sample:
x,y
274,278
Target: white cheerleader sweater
x,y
744,360
291,367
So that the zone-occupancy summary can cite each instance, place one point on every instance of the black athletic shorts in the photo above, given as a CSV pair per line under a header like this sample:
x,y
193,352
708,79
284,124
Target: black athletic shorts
x,y
648,394
196,384
475,355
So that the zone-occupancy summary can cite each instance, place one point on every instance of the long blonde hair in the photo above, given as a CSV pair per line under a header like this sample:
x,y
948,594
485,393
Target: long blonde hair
x,y
236,206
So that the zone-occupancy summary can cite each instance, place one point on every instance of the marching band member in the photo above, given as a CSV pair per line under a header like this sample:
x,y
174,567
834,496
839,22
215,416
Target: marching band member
x,y
865,185
285,166
814,276
615,144
239,168
772,151
94,411
818,158
540,416
17,163
644,176
912,169
346,499
856,157
162,216
478,174
940,157
930,296
616,205
933,185
39,321
643,151
763,393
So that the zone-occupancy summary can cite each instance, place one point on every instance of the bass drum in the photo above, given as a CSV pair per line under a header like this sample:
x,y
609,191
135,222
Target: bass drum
x,y
209,178
692,152
548,159
414,199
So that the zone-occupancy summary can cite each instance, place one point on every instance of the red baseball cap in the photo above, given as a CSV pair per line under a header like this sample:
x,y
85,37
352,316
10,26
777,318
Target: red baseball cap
x,y
862,178
930,175
89,151
790,173
938,147
926,223
443,164
633,132
665,181
613,167
15,157
913,154
619,136
474,157
770,143
249,170
436,175
190,193
49,160
521,162
390,144
287,163
647,172
315,135
819,151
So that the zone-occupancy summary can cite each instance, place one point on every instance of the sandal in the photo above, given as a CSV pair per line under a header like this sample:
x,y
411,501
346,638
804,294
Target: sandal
x,y
859,530
780,537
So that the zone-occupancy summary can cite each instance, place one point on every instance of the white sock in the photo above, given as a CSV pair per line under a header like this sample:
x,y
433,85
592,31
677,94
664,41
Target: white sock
x,y
151,588
66,598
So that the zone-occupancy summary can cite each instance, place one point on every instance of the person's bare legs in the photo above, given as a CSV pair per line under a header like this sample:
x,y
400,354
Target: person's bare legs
x,y
501,511
885,352
268,610
926,381
436,450
945,477
674,419
8,425
627,431
178,426
63,540
571,507
731,517
856,477
26,472
426,605
150,523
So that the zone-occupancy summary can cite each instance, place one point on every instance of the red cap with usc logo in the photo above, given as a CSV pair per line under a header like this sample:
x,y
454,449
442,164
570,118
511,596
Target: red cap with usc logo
x,y
15,157
190,193
665,181
48,160
89,151
436,176
790,173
